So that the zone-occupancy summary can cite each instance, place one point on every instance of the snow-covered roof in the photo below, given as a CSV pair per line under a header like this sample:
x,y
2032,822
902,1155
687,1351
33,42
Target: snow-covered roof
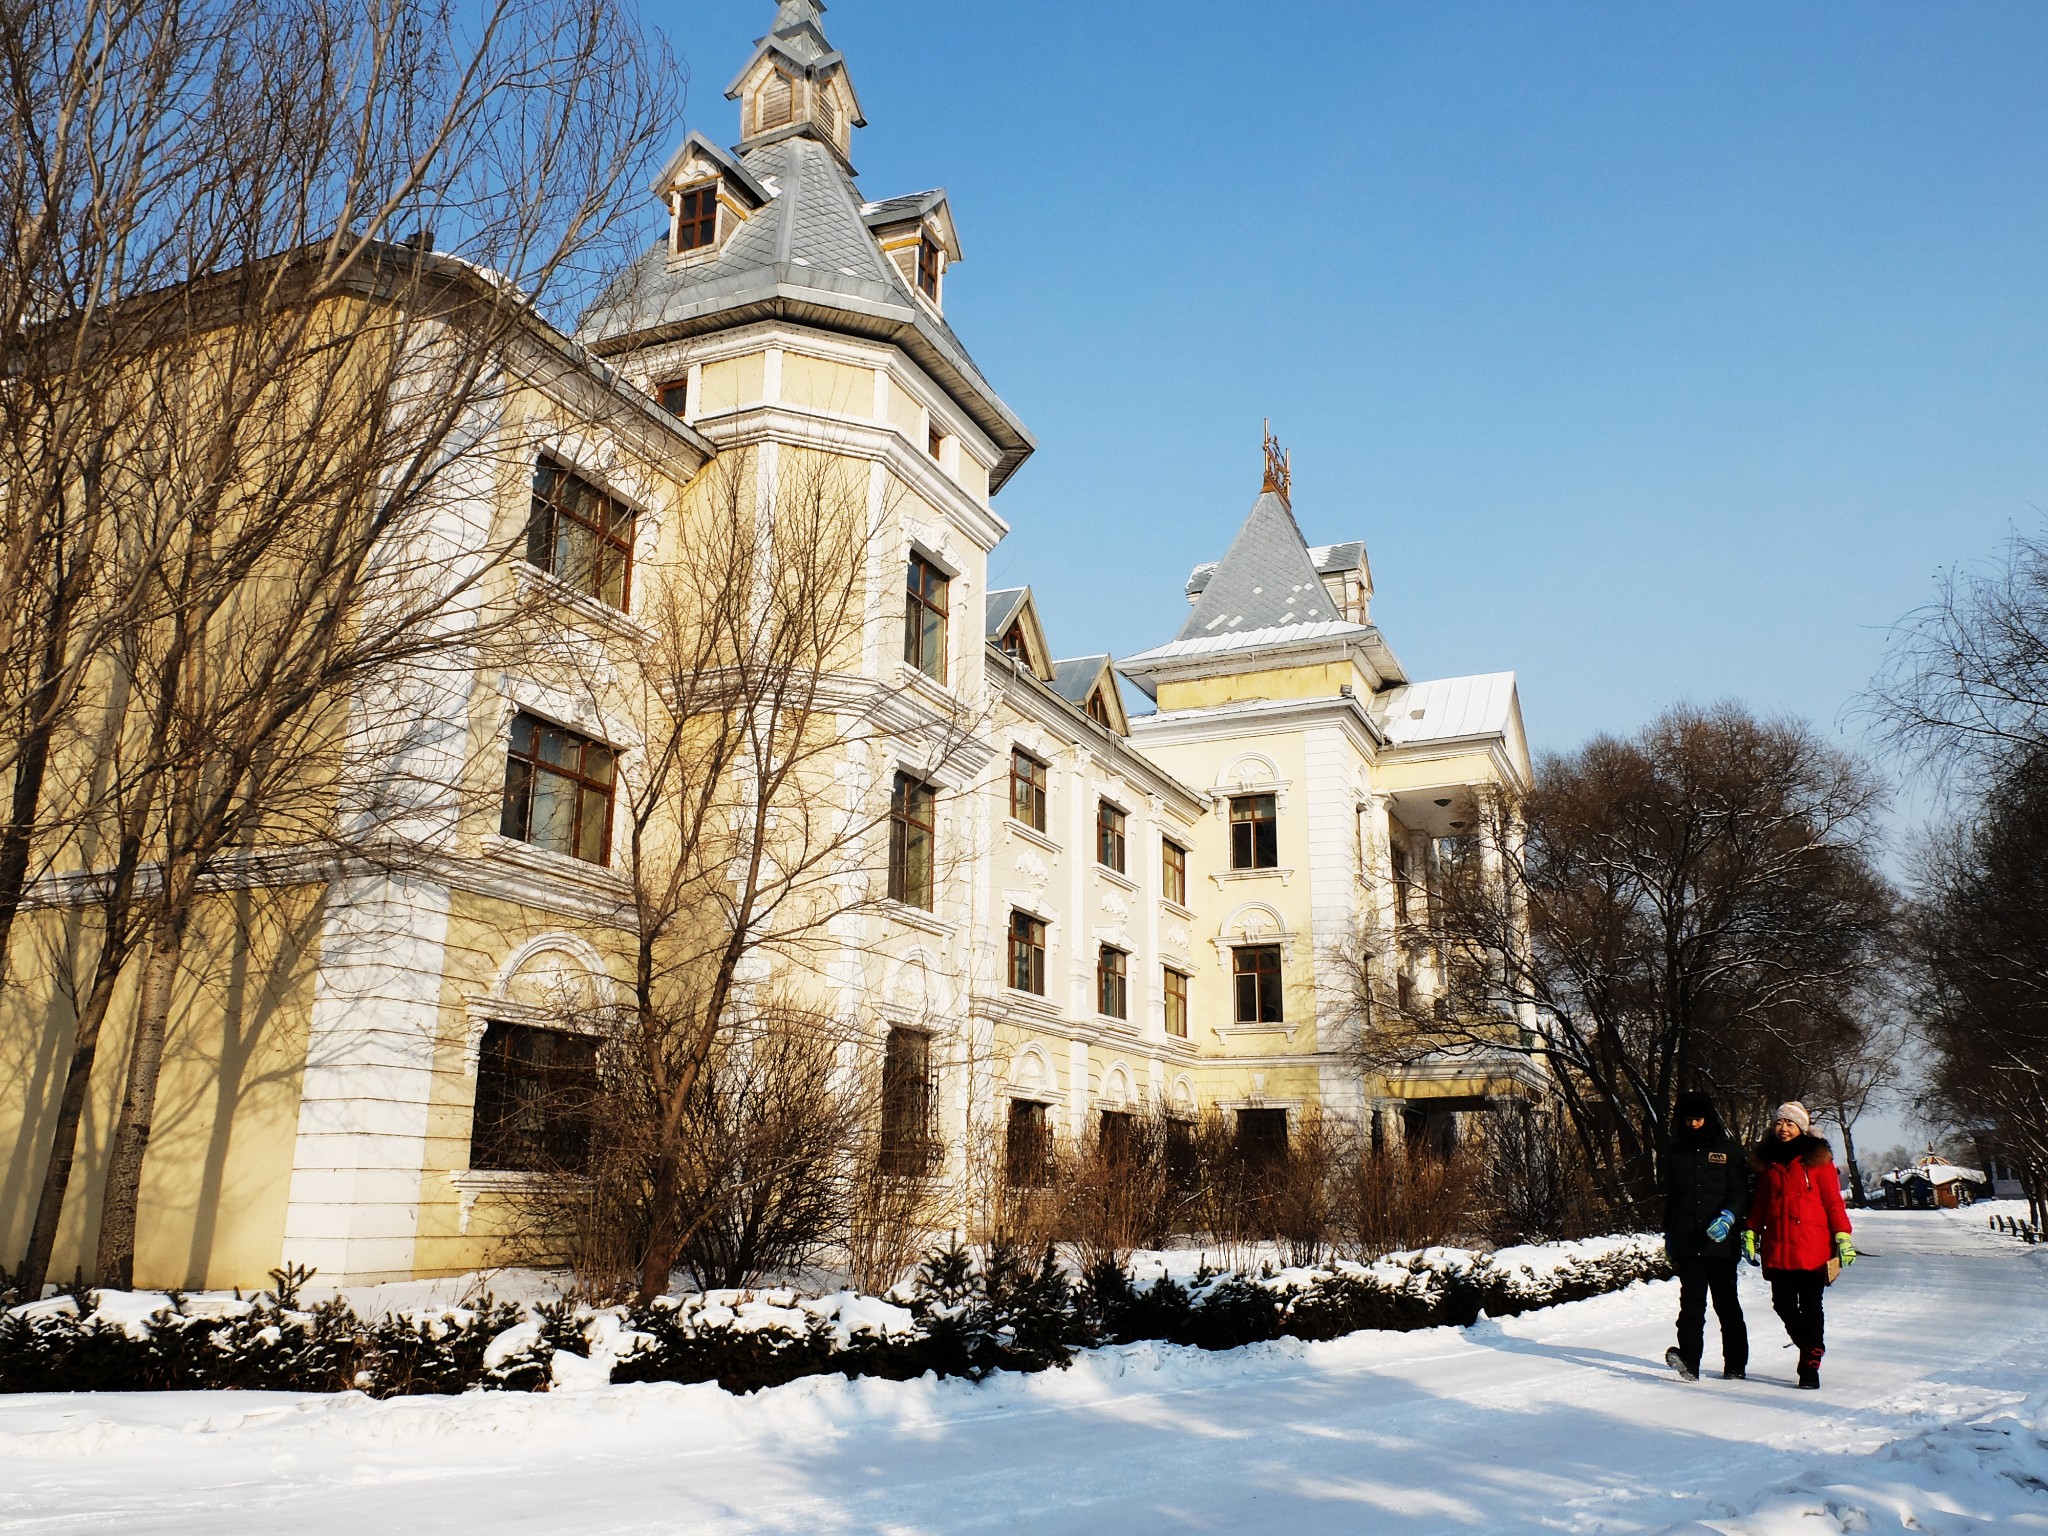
x,y
1445,708
1253,639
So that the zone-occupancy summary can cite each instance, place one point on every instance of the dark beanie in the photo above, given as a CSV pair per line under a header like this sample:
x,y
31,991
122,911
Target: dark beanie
x,y
1695,1105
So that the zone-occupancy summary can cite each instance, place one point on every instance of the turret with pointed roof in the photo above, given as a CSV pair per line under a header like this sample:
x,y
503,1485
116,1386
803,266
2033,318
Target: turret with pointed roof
x,y
1272,601
777,229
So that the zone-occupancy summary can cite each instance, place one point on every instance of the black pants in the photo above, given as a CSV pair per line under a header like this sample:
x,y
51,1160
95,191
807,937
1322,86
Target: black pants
x,y
1796,1294
1697,1278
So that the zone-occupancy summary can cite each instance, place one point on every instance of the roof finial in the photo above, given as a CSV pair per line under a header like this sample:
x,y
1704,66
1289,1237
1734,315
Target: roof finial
x,y
1279,469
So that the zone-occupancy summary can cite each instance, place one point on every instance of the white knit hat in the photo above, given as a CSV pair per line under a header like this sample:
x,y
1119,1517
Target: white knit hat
x,y
1796,1113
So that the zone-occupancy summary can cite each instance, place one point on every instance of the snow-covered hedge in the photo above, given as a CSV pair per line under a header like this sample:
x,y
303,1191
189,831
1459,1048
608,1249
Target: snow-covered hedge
x,y
961,1317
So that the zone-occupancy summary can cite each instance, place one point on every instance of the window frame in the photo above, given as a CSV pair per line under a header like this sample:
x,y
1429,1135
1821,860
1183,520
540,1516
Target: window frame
x,y
914,887
1027,943
524,767
680,388
1173,871
1263,994
1029,791
927,608
562,1094
1258,846
928,267
1177,999
1112,982
1027,1163
1112,824
697,228
907,1148
612,529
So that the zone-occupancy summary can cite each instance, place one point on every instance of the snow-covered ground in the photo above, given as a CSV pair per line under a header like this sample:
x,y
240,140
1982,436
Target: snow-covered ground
x,y
1934,1418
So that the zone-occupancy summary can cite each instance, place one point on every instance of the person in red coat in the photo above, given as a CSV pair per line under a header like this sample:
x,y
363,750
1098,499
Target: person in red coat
x,y
1797,1225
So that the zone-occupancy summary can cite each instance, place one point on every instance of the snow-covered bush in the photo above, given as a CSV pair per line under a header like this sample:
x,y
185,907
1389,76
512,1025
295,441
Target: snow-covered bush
x,y
964,1315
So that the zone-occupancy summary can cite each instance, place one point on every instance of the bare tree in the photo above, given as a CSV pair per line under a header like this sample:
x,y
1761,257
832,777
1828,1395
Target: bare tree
x,y
240,418
1698,898
758,826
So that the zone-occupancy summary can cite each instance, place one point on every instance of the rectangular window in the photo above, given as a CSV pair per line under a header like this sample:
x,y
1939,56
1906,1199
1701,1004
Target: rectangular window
x,y
580,535
1112,983
1256,970
1398,857
913,819
934,441
1176,1003
1027,789
697,218
907,1147
1254,832
1027,1150
1109,836
924,618
1173,872
674,397
1262,1138
1116,1138
1027,953
928,268
558,790
535,1092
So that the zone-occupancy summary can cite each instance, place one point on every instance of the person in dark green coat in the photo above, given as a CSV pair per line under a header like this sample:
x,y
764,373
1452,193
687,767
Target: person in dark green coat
x,y
1706,1196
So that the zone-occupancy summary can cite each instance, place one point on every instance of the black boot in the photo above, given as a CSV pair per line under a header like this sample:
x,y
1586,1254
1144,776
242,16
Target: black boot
x,y
1687,1371
1809,1368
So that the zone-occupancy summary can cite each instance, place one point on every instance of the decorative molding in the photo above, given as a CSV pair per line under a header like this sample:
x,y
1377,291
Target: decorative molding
x,y
1224,876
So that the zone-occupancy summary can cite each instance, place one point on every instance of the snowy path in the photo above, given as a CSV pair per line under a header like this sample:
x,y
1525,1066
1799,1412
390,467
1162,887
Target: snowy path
x,y
1934,1411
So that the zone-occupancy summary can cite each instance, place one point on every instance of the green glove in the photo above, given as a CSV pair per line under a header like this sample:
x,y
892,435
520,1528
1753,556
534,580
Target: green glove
x,y
1749,1247
1844,1249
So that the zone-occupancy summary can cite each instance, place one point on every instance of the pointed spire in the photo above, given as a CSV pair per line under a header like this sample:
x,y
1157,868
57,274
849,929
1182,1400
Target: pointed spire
x,y
796,82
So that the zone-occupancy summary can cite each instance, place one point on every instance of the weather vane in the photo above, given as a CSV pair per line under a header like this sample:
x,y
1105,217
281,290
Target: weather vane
x,y
1279,468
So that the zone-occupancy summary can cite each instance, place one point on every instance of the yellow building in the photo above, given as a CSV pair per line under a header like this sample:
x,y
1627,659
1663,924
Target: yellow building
x,y
1083,911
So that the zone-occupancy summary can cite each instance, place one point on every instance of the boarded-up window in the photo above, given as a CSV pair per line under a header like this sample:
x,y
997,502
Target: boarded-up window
x,y
778,101
825,111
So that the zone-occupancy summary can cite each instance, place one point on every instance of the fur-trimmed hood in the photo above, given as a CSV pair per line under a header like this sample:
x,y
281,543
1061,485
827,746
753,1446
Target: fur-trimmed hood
x,y
1813,1151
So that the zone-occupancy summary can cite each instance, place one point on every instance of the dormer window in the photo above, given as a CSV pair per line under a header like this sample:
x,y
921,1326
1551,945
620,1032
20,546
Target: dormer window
x,y
1098,709
697,217
1013,643
823,111
928,268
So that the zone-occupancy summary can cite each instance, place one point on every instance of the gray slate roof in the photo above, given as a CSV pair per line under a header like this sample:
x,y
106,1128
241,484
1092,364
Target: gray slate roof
x,y
1075,678
808,256
1265,581
999,608
1329,559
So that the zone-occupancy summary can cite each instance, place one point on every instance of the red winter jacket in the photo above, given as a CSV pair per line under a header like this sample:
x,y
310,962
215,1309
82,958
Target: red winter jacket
x,y
1798,1206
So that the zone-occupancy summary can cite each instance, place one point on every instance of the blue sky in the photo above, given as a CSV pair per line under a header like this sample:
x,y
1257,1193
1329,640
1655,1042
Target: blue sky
x,y
1658,352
